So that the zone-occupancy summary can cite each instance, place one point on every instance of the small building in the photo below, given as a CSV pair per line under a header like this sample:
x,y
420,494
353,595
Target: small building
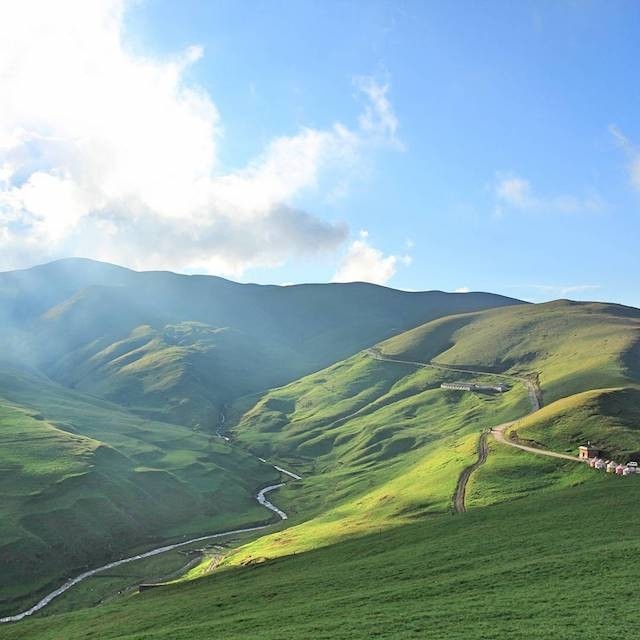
x,y
586,451
458,386
611,466
599,464
629,471
632,465
471,386
620,469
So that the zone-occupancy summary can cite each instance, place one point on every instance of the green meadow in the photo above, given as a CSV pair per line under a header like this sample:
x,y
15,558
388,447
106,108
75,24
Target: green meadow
x,y
118,442
520,569
85,482
380,443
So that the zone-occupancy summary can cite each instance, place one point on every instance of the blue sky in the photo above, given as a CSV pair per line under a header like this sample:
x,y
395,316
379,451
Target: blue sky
x,y
426,145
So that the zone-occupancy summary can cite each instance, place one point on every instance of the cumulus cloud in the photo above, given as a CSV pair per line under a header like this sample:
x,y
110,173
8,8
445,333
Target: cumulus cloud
x,y
514,193
113,154
632,151
365,263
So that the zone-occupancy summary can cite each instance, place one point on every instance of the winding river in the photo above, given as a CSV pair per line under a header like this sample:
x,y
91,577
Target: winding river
x,y
260,497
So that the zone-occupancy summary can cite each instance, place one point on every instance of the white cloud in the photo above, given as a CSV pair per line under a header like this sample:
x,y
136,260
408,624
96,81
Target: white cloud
x,y
632,151
112,154
378,118
462,290
563,290
515,193
364,263
557,290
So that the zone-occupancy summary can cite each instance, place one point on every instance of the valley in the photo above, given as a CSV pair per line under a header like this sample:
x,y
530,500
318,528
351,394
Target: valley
x,y
319,320
373,461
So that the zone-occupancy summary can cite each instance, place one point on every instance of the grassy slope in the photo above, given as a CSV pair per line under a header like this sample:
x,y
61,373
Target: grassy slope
x,y
378,443
381,446
72,463
573,346
183,372
610,418
381,443
510,474
179,347
513,570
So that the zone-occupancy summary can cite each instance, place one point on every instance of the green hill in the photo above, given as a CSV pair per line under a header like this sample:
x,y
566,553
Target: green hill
x,y
371,546
380,442
609,418
573,346
559,564
84,481
179,347
99,367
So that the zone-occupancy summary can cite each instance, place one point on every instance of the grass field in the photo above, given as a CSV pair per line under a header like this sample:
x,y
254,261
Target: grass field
x,y
71,463
381,444
371,548
522,569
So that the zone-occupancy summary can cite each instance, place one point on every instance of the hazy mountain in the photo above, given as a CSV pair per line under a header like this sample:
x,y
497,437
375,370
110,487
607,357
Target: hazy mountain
x,y
181,346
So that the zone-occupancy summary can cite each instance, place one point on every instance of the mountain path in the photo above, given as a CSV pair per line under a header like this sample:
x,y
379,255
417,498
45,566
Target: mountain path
x,y
461,486
498,434
535,399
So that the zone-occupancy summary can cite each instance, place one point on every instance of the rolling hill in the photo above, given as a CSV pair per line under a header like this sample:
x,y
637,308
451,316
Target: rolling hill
x,y
111,387
133,377
520,569
380,442
572,346
179,347
84,481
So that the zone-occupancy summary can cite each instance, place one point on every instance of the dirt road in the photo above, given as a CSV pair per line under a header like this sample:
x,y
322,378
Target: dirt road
x,y
498,434
461,487
535,399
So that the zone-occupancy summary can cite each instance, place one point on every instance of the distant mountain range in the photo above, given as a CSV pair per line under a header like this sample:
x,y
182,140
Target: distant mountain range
x,y
179,347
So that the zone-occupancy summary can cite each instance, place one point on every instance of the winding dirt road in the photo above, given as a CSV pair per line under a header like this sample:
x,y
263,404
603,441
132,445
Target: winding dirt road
x,y
535,398
498,434
461,487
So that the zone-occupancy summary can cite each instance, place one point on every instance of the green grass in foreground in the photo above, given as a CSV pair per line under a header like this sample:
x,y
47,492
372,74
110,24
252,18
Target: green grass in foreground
x,y
559,564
